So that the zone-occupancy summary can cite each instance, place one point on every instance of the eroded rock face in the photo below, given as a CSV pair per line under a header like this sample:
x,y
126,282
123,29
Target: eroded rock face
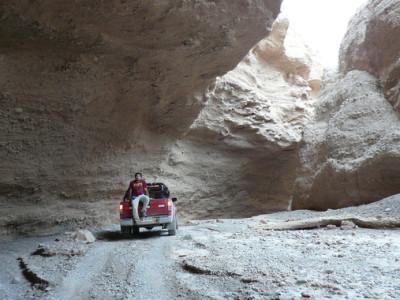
x,y
93,91
351,153
239,157
265,101
372,44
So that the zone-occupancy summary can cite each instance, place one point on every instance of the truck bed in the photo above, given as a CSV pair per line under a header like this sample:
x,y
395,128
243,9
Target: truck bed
x,y
157,207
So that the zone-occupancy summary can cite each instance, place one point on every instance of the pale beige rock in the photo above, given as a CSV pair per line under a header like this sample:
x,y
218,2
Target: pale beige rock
x,y
372,44
92,92
239,156
85,236
351,152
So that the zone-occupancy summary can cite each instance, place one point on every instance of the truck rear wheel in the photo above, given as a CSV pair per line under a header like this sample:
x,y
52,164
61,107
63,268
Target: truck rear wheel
x,y
172,227
135,230
126,230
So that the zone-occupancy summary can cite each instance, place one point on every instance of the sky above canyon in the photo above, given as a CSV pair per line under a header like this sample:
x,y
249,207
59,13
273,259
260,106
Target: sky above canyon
x,y
322,24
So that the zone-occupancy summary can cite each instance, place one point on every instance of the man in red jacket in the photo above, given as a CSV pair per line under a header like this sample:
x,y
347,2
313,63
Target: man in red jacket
x,y
138,192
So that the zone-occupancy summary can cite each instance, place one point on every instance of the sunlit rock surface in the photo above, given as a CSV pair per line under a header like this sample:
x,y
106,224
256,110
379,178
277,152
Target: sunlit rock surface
x,y
240,155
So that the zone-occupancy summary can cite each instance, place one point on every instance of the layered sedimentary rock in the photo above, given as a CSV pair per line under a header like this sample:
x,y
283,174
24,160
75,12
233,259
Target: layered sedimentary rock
x,y
93,91
351,153
239,157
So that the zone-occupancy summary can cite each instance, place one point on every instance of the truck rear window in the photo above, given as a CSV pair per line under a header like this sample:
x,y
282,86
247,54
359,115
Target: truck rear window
x,y
156,192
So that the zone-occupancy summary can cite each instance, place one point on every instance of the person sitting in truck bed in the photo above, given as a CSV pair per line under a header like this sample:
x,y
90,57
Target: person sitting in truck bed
x,y
137,192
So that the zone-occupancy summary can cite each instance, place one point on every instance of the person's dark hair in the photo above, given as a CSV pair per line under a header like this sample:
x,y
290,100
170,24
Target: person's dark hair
x,y
138,173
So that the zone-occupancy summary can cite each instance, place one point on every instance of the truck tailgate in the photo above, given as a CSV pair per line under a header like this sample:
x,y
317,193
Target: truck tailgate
x,y
158,207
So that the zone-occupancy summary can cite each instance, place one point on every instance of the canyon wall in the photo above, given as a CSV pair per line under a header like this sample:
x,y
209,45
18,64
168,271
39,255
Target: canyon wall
x,y
213,98
372,44
93,91
351,152
239,157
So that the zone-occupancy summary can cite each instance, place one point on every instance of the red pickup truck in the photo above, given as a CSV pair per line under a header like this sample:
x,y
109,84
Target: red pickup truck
x,y
160,212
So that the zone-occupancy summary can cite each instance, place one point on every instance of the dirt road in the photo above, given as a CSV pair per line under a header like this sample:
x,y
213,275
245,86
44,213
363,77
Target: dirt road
x,y
117,268
113,268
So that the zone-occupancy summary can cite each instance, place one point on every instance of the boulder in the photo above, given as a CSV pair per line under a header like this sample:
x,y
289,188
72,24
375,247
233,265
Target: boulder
x,y
85,236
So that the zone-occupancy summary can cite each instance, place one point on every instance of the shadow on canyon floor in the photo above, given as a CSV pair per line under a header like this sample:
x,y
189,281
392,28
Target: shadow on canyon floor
x,y
116,235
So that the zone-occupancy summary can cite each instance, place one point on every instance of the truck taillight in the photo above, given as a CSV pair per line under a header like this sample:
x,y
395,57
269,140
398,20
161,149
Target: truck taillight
x,y
169,204
125,210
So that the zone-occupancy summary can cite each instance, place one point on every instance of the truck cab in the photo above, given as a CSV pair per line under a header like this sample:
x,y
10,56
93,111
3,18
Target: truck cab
x,y
161,212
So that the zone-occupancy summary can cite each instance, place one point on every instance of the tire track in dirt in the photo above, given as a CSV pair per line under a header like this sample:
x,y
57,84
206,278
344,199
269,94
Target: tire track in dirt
x,y
123,269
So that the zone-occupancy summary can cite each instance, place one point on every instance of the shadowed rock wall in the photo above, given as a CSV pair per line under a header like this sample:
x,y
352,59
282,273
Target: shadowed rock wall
x,y
92,91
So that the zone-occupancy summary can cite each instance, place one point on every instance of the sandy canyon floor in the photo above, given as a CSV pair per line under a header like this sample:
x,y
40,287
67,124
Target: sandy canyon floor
x,y
351,253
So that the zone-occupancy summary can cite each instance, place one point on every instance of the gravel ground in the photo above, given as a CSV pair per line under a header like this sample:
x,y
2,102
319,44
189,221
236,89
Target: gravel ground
x,y
323,263
265,257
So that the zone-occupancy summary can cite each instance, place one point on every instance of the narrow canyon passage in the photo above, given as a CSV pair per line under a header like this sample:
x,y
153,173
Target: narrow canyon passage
x,y
237,115
267,131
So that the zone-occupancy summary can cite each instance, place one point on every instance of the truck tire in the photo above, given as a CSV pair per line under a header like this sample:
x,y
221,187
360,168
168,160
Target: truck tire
x,y
135,230
126,231
172,227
